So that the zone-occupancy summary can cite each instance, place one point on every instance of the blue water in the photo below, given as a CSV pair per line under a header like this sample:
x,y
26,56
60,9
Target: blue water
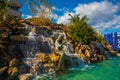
x,y
106,70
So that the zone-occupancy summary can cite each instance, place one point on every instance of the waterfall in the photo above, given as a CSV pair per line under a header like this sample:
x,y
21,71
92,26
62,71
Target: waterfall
x,y
107,54
37,41
76,61
40,42
63,45
31,43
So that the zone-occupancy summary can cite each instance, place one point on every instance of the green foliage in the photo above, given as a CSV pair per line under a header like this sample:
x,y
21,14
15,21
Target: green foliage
x,y
100,38
118,37
3,9
3,13
79,30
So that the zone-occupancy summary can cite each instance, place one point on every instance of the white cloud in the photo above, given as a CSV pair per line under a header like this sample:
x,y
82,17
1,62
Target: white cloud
x,y
57,9
112,24
65,9
116,21
26,16
54,16
102,15
65,18
29,16
97,11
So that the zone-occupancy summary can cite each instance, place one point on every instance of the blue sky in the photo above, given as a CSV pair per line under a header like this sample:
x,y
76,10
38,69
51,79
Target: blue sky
x,y
104,15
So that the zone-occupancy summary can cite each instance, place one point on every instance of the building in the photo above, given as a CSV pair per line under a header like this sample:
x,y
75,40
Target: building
x,y
14,7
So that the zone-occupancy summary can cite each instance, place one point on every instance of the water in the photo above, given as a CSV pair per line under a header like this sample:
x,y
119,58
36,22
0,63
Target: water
x,y
43,42
107,54
106,70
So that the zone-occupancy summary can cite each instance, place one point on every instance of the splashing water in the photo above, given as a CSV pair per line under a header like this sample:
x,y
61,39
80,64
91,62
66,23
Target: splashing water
x,y
106,70
107,54
68,50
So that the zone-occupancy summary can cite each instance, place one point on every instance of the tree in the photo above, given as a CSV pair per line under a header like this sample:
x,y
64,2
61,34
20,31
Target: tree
x,y
79,30
3,9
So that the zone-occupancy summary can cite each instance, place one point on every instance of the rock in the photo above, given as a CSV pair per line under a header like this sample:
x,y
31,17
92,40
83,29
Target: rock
x,y
2,70
46,65
82,56
118,54
35,61
109,47
87,53
101,57
53,57
114,53
40,56
3,61
24,77
12,73
27,62
18,38
78,50
13,63
33,70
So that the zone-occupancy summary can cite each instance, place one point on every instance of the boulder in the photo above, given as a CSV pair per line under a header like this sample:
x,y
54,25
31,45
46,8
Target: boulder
x,y
109,47
27,62
87,53
114,53
2,70
101,57
12,73
13,63
40,56
24,77
53,57
118,54
87,56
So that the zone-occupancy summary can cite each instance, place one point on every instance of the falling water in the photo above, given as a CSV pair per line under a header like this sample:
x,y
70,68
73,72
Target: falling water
x,y
107,54
36,42
68,50
39,42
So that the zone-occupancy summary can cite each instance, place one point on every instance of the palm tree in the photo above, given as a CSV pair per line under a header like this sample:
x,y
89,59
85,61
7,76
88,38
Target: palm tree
x,y
75,19
79,30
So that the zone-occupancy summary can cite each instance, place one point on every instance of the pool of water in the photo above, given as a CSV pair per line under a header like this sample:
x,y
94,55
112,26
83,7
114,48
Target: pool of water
x,y
106,70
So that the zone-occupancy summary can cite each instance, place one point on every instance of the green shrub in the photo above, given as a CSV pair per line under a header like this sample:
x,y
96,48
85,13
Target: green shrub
x,y
79,30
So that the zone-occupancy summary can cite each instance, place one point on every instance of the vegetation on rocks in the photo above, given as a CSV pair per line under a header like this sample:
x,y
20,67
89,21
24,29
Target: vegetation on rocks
x,y
81,31
80,34
41,11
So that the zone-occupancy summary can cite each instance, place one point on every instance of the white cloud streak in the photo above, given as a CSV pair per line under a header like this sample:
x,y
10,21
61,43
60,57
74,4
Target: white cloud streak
x,y
58,9
26,16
